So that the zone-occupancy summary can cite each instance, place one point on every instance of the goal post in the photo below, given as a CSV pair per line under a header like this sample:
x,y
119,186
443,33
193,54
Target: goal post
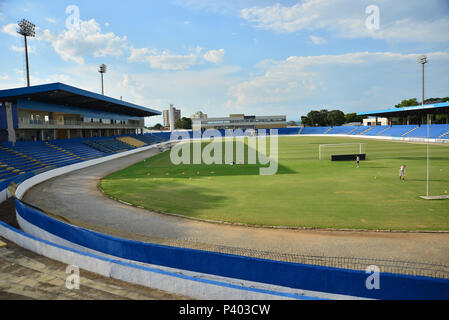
x,y
325,151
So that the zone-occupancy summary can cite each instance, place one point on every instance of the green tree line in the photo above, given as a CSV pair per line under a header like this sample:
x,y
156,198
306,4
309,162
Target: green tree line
x,y
325,118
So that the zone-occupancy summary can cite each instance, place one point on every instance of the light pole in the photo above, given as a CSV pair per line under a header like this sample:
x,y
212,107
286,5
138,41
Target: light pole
x,y
423,60
26,29
102,70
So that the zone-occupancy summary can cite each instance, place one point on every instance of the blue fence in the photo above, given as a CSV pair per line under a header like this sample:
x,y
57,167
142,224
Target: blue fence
x,y
293,275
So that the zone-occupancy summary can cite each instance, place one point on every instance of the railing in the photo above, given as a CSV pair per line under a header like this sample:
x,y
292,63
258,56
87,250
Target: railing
x,y
67,124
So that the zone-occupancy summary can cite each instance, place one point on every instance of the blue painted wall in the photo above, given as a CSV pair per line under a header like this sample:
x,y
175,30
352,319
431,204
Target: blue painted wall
x,y
293,275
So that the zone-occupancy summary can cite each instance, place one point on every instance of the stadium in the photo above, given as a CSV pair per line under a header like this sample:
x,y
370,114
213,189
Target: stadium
x,y
113,197
304,212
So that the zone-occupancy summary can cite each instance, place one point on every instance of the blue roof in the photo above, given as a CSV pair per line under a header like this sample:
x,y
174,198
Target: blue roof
x,y
405,109
62,94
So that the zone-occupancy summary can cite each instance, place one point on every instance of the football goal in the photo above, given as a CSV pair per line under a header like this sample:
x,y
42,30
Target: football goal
x,y
326,151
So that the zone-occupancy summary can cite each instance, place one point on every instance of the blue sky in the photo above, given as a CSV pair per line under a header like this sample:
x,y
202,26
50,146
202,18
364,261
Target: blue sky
x,y
220,57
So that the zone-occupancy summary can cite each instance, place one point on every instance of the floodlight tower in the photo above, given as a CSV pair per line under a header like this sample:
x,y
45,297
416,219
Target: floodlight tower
x,y
102,70
423,60
26,29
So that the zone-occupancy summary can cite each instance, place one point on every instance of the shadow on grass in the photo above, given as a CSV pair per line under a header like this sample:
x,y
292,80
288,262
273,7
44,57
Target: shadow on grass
x,y
161,166
157,195
422,158
430,180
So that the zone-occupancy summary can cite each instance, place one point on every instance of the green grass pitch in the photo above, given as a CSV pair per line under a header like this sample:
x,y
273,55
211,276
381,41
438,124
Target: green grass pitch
x,y
305,192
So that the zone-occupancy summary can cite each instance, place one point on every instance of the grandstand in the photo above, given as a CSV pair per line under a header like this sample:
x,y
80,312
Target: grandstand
x,y
437,131
53,125
34,157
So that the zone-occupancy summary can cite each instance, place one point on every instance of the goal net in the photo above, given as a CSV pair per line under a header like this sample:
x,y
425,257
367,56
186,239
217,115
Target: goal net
x,y
326,151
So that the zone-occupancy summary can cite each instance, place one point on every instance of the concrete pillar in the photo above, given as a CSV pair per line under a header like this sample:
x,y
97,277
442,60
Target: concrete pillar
x,y
10,123
54,134
68,133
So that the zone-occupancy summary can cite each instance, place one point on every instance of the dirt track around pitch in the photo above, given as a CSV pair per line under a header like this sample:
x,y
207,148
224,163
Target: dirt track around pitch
x,y
75,197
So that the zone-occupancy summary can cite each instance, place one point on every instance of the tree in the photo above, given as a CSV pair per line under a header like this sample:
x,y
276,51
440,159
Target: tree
x,y
305,121
158,126
291,123
183,123
436,100
407,103
336,118
353,117
323,118
319,118
314,118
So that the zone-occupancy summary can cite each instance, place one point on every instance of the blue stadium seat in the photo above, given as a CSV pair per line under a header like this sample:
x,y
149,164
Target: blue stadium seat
x,y
108,145
376,130
360,130
315,130
435,131
146,138
398,130
77,147
342,130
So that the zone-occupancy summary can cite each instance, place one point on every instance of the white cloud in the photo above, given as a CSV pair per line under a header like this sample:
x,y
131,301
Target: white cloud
x,y
410,29
165,60
50,20
331,79
22,49
212,6
214,56
87,41
10,29
317,40
346,19
169,61
139,55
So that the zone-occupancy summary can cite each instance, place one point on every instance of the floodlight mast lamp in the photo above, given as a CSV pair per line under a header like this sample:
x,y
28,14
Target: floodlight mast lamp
x,y
26,29
423,60
102,70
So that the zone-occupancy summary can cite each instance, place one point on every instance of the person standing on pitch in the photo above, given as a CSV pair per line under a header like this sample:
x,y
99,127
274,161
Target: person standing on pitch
x,y
357,161
402,170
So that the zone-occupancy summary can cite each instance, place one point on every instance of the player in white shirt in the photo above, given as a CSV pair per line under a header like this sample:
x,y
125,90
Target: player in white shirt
x,y
402,171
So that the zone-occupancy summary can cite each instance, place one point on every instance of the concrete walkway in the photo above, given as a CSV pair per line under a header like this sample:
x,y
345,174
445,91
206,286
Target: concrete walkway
x,y
75,197
25,275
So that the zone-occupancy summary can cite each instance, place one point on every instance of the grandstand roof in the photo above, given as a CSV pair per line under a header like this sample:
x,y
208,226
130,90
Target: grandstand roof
x,y
62,94
421,109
